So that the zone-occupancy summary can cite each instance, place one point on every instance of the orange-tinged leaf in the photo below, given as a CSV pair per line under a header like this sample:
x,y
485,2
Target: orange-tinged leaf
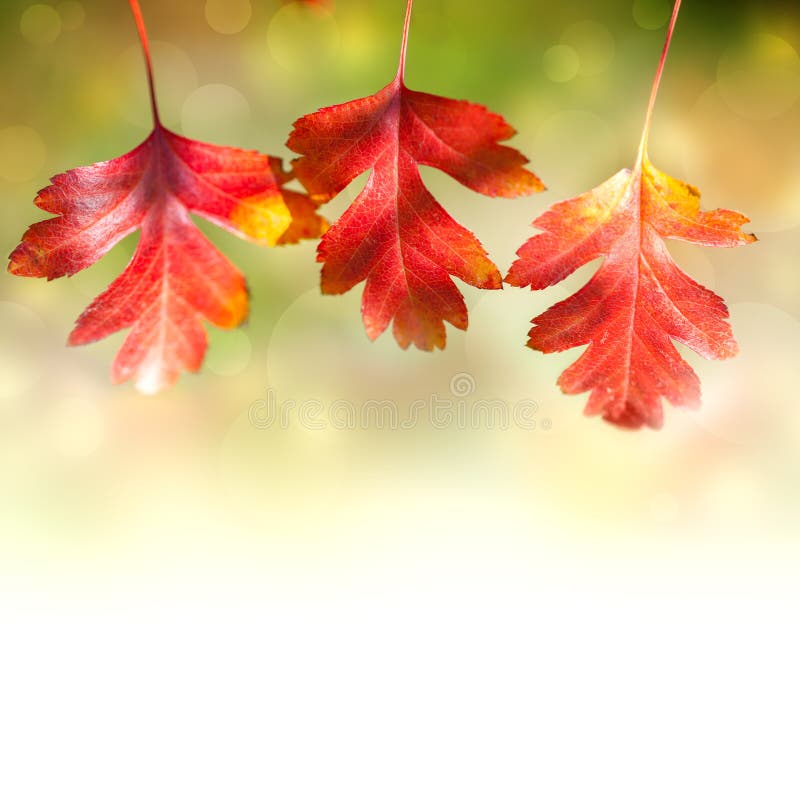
x,y
176,278
639,300
395,236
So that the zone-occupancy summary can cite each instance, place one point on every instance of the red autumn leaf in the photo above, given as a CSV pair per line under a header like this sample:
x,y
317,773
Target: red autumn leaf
x,y
639,300
395,236
176,278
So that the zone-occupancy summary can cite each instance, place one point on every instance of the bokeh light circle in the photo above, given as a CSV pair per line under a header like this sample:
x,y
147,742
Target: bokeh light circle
x,y
760,78
228,16
40,24
561,63
651,14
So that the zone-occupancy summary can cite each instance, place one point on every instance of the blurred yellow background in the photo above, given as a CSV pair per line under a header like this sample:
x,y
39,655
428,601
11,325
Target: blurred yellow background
x,y
573,78
159,552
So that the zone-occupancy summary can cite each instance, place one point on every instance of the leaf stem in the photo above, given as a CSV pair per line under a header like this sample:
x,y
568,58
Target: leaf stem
x,y
657,81
401,71
139,20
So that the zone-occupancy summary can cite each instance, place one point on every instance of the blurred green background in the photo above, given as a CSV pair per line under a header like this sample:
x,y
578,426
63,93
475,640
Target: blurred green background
x,y
89,468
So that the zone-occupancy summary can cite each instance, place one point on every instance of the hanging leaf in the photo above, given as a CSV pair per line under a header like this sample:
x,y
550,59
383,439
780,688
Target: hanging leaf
x,y
176,278
639,300
395,236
